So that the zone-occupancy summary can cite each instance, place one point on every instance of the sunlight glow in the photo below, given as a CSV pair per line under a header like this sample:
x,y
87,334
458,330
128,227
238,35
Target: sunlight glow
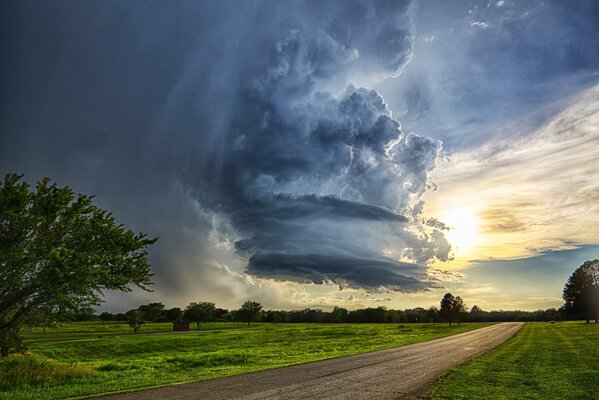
x,y
464,229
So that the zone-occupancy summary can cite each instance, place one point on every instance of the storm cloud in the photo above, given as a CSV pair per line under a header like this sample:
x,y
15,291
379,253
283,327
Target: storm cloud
x,y
239,132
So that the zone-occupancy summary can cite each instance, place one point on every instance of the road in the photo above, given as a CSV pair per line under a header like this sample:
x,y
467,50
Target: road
x,y
405,372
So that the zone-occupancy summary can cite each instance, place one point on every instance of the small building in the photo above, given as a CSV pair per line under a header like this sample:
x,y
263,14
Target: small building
x,y
180,326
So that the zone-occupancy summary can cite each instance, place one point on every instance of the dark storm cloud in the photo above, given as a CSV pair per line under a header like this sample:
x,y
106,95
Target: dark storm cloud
x,y
242,115
370,273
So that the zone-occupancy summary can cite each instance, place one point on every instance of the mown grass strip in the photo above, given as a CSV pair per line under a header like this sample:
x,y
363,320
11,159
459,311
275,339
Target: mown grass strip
x,y
543,361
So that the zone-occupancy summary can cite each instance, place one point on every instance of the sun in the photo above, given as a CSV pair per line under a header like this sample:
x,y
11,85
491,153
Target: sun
x,y
464,229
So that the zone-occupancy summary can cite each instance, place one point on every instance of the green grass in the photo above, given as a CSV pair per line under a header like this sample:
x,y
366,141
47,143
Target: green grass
x,y
126,362
543,361
106,329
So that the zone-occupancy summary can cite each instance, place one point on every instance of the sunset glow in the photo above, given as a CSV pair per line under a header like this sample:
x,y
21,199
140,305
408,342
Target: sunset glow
x,y
463,233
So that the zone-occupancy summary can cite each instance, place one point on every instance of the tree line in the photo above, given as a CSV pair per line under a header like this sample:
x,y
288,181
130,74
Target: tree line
x,y
452,310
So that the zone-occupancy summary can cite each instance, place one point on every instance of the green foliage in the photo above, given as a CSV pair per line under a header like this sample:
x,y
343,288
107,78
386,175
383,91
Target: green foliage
x,y
10,341
135,319
542,362
152,311
199,312
58,252
250,311
452,308
581,292
126,362
174,314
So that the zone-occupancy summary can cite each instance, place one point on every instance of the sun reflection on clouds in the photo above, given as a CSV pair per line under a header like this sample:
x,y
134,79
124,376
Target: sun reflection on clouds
x,y
463,233
521,196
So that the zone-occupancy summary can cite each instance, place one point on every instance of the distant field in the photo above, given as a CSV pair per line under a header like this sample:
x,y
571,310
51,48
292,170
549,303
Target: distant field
x,y
543,361
58,367
106,329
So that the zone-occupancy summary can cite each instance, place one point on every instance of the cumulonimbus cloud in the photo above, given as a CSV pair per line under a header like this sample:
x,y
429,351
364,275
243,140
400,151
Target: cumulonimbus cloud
x,y
323,186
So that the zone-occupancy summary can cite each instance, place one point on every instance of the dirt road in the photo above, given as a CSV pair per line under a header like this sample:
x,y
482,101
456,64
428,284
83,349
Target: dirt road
x,y
399,373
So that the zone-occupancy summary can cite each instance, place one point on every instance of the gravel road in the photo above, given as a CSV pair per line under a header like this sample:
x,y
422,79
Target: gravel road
x,y
405,372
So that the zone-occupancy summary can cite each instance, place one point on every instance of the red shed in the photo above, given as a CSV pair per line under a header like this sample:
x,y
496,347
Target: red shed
x,y
180,326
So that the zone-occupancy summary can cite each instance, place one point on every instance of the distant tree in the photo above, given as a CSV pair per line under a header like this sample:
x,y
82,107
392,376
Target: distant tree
x,y
392,316
581,292
174,314
446,309
151,311
199,312
452,309
135,319
220,314
85,314
459,309
403,318
250,311
476,314
106,316
58,252
339,314
432,315
120,317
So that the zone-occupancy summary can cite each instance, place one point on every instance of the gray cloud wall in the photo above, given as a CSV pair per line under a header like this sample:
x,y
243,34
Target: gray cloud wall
x,y
238,114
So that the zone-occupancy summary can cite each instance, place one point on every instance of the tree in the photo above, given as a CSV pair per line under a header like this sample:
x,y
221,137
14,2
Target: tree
x,y
458,309
581,292
250,311
452,308
220,314
431,315
135,319
106,316
339,314
174,314
446,309
151,311
58,253
476,314
199,312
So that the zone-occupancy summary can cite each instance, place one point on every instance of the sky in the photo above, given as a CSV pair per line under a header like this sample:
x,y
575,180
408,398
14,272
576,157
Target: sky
x,y
319,154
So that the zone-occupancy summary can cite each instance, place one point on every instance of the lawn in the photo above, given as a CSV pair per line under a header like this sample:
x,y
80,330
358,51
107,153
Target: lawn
x,y
543,361
108,329
57,368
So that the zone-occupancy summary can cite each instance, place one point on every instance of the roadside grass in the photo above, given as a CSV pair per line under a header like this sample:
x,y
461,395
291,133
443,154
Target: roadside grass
x,y
126,362
542,361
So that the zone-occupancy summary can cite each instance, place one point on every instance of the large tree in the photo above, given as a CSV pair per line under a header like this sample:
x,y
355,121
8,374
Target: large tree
x,y
199,312
452,308
58,253
581,292
250,311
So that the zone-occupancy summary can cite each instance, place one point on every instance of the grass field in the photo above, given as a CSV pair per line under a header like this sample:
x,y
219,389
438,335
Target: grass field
x,y
58,367
543,361
109,329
